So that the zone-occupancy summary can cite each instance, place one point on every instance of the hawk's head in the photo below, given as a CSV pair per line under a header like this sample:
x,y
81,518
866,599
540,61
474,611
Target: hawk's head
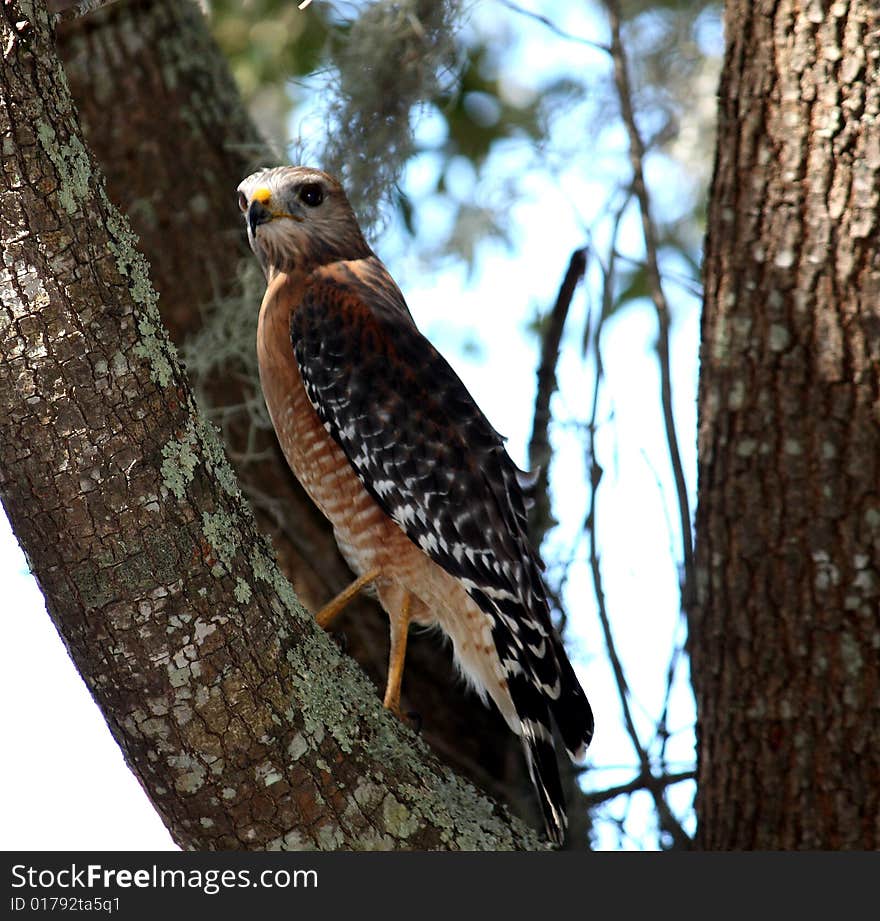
x,y
298,217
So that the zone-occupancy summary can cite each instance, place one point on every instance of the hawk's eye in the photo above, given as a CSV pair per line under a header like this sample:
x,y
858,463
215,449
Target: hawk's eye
x,y
311,194
242,201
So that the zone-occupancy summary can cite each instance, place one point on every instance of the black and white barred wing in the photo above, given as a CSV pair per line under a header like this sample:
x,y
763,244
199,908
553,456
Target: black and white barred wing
x,y
430,458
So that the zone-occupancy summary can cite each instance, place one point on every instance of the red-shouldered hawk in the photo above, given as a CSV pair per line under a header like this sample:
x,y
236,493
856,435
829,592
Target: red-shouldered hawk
x,y
425,502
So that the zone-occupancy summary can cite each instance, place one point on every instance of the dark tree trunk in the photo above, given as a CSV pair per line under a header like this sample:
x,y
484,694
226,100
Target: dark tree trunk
x,y
245,726
162,115
785,637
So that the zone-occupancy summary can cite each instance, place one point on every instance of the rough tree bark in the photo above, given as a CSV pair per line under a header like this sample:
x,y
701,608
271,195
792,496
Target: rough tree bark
x,y
784,640
177,145
243,723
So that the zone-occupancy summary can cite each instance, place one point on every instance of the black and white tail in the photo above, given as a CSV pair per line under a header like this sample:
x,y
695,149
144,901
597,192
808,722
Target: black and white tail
x,y
541,682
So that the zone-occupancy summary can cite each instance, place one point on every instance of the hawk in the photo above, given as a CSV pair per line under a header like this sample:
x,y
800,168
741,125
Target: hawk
x,y
426,505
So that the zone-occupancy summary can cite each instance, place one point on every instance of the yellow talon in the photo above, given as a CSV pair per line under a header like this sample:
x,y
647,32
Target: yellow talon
x,y
325,616
399,632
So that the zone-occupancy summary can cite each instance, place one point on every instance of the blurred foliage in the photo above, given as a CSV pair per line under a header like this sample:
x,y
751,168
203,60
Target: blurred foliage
x,y
478,113
269,44
352,54
269,41
374,69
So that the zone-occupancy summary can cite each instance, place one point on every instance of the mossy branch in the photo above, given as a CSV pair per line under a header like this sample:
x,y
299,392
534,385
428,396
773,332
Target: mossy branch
x,y
242,721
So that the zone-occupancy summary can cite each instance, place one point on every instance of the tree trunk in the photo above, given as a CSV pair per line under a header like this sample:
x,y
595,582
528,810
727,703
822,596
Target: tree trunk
x,y
245,726
784,640
177,145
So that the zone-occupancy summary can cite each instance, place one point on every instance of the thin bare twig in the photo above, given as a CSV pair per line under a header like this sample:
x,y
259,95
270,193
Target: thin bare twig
x,y
662,731
540,517
608,273
689,285
516,8
668,822
642,782
589,522
636,155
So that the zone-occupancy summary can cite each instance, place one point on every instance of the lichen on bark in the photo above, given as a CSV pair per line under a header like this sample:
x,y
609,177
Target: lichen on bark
x,y
241,719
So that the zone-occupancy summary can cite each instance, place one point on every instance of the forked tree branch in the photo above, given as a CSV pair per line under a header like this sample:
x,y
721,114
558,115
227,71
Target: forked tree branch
x,y
641,782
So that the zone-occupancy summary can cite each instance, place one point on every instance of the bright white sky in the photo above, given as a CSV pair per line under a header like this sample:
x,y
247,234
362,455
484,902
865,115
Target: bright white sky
x,y
63,782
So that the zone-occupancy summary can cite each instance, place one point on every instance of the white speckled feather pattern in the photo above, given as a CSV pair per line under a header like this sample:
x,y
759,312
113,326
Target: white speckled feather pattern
x,y
367,538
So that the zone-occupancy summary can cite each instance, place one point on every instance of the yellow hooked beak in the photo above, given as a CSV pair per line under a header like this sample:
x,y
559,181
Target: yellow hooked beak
x,y
261,210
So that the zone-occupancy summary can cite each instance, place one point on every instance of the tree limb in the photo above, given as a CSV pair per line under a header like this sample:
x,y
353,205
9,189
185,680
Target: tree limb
x,y
181,125
241,720
540,454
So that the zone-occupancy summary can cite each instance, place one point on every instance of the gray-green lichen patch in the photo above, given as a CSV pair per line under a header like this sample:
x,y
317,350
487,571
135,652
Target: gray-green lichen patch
x,y
263,565
190,782
367,794
268,774
201,629
189,774
199,443
214,456
154,346
180,676
475,826
466,819
179,461
265,569
292,841
330,838
322,680
221,533
158,706
71,161
399,821
242,591
317,673
373,841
